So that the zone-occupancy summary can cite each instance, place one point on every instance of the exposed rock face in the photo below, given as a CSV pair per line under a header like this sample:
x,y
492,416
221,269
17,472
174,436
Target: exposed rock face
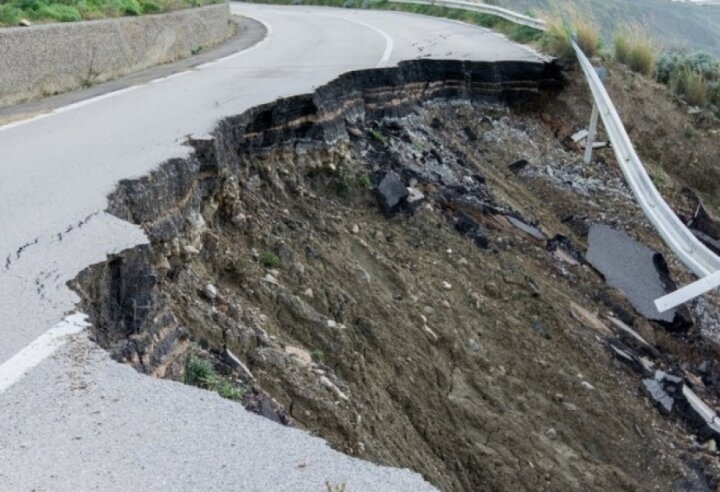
x,y
172,202
439,338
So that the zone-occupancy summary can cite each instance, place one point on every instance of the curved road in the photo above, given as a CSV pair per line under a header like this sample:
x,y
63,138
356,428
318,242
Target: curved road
x,y
76,420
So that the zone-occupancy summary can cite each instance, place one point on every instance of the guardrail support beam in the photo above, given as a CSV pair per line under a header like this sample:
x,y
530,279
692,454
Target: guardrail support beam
x,y
590,140
689,292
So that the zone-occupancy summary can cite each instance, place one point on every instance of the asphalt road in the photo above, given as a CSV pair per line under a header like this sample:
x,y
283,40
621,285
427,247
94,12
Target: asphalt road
x,y
77,421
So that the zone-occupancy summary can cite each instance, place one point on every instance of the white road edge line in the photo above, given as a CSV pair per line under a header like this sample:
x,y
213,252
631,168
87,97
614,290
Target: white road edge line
x,y
12,370
125,90
389,43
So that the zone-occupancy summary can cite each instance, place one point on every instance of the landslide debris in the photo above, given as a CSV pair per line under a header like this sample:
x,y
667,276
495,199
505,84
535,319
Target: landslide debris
x,y
396,263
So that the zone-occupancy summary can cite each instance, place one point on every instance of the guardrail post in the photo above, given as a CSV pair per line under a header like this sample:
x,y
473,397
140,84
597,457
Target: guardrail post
x,y
590,140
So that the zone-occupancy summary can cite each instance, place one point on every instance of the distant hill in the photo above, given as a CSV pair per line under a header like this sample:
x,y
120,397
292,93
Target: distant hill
x,y
693,26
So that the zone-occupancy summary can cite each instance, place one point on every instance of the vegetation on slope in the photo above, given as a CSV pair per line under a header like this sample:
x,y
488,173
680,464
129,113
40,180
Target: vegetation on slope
x,y
13,11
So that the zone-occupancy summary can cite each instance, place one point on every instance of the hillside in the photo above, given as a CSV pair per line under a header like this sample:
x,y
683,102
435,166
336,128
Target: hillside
x,y
673,24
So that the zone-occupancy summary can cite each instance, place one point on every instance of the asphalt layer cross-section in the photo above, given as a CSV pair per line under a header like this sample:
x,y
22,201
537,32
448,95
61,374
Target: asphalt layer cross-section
x,y
79,421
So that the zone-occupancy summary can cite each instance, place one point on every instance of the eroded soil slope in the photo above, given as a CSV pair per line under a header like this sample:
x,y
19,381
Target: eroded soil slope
x,y
390,282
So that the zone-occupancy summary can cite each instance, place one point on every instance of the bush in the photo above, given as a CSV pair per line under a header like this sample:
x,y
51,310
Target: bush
x,y
11,11
201,373
9,15
693,76
700,62
633,47
269,260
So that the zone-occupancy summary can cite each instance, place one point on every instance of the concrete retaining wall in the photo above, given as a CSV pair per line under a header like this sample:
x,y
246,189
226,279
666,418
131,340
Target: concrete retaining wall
x,y
46,59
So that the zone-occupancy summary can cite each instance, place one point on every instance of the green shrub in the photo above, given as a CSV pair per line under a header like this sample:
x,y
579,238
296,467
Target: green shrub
x,y
9,15
365,181
150,6
692,76
318,356
269,260
700,62
59,12
11,11
201,373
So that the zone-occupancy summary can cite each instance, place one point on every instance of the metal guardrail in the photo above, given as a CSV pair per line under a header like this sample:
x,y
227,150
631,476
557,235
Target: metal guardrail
x,y
689,249
506,14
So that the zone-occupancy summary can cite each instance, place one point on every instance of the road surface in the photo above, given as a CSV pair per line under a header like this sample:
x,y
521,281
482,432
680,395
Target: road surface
x,y
71,419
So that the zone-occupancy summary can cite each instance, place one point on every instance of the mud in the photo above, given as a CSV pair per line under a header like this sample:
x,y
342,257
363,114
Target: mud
x,y
457,330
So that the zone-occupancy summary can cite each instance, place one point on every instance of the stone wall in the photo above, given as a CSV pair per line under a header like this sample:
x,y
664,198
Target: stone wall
x,y
46,59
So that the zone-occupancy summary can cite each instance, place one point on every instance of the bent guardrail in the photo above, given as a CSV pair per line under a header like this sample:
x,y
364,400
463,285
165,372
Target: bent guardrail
x,y
688,248
697,257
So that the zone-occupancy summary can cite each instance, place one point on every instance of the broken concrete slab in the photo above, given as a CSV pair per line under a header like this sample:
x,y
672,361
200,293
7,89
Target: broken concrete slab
x,y
625,356
589,319
699,414
579,135
657,394
528,229
631,336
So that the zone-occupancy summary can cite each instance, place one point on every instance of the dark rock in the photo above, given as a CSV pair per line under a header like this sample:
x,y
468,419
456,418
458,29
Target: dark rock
x,y
518,166
560,242
470,134
708,241
480,237
436,124
391,191
465,224
469,227
538,328
703,220
685,485
657,394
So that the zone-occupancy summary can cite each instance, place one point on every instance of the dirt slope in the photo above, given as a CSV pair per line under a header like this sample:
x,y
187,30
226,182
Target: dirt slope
x,y
458,332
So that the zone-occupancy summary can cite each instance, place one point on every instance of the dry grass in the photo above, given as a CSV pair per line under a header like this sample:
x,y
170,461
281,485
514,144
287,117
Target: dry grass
x,y
565,20
692,85
556,40
587,36
633,46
